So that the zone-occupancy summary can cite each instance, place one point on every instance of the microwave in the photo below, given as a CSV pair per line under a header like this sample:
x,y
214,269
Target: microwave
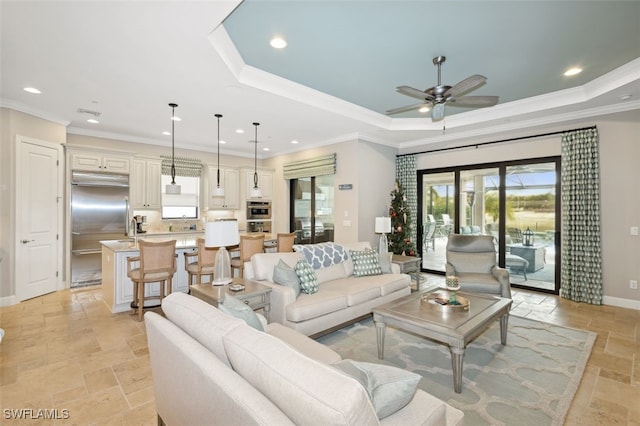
x,y
258,209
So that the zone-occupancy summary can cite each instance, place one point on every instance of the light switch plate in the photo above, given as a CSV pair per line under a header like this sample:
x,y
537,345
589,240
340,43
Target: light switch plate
x,y
634,231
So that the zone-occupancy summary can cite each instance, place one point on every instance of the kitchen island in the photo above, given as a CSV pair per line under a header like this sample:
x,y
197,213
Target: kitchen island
x,y
117,288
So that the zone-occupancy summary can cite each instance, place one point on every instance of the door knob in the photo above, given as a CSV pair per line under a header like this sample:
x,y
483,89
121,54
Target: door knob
x,y
27,241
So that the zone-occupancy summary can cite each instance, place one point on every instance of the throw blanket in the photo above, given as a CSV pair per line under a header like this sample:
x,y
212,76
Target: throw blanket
x,y
322,255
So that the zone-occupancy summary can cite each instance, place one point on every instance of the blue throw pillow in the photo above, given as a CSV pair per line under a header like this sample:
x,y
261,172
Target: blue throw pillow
x,y
238,309
284,275
307,277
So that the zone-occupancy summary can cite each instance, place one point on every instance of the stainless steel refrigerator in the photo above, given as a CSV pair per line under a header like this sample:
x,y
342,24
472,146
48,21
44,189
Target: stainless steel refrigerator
x,y
99,211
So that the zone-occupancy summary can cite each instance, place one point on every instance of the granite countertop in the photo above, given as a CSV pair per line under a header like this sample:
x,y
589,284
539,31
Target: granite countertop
x,y
183,240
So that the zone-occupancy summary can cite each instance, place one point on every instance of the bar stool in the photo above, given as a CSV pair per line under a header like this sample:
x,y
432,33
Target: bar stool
x,y
249,245
156,263
203,265
284,242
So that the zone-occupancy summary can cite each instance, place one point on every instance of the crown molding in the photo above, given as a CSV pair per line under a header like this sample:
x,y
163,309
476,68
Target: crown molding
x,y
17,106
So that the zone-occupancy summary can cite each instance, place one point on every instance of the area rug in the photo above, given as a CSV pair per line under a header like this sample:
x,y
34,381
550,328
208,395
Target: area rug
x,y
530,381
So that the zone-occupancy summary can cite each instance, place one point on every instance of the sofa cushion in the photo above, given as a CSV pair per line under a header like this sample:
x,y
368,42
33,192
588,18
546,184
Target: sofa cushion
x,y
323,302
389,388
307,391
264,263
201,321
307,277
322,255
356,290
365,263
303,344
348,264
475,262
234,307
284,274
331,273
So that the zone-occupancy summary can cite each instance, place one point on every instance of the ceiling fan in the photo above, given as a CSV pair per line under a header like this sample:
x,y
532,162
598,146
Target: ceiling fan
x,y
436,97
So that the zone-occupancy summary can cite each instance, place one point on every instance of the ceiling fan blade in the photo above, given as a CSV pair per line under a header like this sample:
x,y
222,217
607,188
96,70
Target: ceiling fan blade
x,y
474,101
466,85
407,108
414,93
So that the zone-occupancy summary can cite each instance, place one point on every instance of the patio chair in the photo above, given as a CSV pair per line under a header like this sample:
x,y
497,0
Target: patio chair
x,y
428,235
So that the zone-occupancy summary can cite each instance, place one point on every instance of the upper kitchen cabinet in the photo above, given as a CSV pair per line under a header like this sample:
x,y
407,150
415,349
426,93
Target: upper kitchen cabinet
x,y
145,190
265,183
230,181
97,162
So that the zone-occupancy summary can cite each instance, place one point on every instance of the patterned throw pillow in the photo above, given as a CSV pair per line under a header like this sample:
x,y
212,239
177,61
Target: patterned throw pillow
x,y
365,263
307,277
322,255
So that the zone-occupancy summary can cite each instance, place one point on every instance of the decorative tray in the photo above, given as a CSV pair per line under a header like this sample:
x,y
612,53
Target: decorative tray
x,y
236,287
441,301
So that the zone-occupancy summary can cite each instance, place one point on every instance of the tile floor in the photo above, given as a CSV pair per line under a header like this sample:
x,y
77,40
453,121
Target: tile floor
x,y
65,351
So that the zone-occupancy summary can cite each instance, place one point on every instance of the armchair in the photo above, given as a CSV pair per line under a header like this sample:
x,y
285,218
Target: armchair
x,y
472,258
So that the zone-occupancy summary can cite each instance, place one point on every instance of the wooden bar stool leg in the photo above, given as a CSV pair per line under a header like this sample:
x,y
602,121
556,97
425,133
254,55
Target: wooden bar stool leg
x,y
140,300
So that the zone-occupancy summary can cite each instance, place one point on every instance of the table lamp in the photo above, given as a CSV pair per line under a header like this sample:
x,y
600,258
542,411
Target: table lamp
x,y
221,234
383,227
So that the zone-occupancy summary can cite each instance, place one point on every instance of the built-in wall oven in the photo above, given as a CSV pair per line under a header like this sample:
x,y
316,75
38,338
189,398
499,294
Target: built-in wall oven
x,y
258,210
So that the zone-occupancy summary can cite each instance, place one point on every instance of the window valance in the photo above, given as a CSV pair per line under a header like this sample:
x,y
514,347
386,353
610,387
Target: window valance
x,y
187,167
319,166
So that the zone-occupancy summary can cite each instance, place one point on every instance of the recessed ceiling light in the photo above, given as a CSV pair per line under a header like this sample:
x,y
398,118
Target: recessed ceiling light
x,y
294,142
92,121
176,118
265,149
278,43
239,131
222,142
625,97
572,71
32,90
166,133
424,109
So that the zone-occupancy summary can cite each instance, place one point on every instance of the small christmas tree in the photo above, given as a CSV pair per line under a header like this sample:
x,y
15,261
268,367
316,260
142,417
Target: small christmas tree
x,y
400,239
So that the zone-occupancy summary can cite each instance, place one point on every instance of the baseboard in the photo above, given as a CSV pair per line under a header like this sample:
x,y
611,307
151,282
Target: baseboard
x,y
9,300
621,303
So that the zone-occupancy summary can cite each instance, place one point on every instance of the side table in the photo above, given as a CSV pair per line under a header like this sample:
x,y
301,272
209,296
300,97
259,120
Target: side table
x,y
256,295
408,265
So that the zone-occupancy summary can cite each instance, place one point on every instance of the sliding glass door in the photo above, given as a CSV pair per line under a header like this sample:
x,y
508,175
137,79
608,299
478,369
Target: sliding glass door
x,y
515,202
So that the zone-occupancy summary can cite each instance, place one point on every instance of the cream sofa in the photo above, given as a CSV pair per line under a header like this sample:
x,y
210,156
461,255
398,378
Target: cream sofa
x,y
341,297
212,368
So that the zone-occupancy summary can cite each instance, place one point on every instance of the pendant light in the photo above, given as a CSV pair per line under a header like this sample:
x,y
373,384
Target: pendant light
x,y
256,192
172,188
218,191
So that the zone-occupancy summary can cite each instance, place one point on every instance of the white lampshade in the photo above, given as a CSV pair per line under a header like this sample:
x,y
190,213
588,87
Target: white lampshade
x,y
222,233
255,193
172,189
218,191
383,225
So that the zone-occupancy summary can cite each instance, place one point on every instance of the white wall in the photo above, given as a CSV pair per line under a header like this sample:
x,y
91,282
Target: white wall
x,y
14,123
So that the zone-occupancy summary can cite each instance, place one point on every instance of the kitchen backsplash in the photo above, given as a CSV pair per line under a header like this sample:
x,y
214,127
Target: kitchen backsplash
x,y
155,224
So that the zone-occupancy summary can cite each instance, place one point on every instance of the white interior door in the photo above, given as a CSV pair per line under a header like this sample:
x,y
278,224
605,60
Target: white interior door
x,y
38,218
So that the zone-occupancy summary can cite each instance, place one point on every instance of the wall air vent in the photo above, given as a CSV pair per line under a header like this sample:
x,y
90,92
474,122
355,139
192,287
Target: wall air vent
x,y
88,111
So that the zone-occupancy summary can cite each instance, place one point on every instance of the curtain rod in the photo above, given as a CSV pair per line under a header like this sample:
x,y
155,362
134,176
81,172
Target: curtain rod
x,y
476,145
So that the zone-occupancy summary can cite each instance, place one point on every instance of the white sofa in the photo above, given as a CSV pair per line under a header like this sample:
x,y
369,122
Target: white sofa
x,y
212,368
341,297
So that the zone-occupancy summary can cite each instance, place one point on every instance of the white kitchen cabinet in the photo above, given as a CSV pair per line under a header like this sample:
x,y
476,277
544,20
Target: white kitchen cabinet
x,y
265,183
102,163
230,181
145,185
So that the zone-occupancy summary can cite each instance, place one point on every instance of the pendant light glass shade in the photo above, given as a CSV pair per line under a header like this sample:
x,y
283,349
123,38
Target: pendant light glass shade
x,y
218,191
255,192
172,188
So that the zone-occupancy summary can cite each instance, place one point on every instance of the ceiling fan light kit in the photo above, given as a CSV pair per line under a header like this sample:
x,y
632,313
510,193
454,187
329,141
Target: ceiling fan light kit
x,y
172,188
435,98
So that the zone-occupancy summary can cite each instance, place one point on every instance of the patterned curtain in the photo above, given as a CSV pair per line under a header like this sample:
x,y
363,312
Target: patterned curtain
x,y
406,175
581,265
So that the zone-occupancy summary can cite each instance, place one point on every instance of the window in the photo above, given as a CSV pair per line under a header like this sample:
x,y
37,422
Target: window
x,y
312,199
185,205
